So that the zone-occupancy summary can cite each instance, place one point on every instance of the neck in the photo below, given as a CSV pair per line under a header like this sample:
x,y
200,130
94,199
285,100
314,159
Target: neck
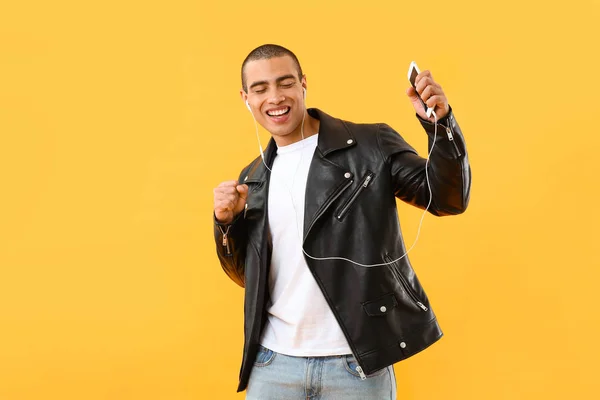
x,y
311,127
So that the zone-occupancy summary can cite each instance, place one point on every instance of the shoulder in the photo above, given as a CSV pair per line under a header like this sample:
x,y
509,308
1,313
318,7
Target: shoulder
x,y
249,168
371,133
365,130
333,125
377,135
359,129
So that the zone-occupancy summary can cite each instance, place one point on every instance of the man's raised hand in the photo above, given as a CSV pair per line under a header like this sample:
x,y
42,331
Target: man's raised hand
x,y
431,93
230,200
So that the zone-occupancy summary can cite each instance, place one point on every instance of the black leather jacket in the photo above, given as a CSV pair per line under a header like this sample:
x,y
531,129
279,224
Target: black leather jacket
x,y
356,174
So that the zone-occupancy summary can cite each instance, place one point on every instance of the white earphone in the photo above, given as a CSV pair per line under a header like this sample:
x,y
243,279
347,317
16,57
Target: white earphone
x,y
342,258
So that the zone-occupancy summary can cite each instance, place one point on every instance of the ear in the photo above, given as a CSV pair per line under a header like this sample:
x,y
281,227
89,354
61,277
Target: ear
x,y
243,95
303,82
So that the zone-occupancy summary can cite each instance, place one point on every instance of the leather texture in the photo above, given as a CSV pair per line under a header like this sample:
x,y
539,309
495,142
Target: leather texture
x,y
356,174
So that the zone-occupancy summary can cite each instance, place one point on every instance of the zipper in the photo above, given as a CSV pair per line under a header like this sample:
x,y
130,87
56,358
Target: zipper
x,y
225,239
400,278
326,205
333,198
359,369
346,207
450,135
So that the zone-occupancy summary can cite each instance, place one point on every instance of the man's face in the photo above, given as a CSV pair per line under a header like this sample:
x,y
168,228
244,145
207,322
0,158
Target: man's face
x,y
275,96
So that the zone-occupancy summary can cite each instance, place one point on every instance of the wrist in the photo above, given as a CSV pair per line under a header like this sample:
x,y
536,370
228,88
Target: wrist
x,y
222,221
226,221
443,120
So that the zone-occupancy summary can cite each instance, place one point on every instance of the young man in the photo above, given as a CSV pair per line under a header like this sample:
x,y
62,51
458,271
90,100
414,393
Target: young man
x,y
312,233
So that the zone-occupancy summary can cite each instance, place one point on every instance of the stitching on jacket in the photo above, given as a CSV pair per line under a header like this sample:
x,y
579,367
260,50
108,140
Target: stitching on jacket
x,y
378,136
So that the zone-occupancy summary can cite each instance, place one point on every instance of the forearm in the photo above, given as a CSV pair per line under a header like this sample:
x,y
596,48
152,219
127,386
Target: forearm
x,y
449,171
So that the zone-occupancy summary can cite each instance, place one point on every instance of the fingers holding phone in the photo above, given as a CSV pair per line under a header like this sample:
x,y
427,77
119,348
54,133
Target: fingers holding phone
x,y
426,95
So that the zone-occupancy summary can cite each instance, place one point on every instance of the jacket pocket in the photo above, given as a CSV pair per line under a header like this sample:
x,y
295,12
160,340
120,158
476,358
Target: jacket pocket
x,y
354,196
404,283
380,306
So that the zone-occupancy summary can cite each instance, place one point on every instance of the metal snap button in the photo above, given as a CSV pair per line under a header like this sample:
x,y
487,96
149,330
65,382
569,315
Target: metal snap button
x,y
350,141
347,175
383,309
403,345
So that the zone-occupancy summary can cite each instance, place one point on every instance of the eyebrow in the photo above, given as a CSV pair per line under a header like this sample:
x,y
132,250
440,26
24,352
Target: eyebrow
x,y
281,78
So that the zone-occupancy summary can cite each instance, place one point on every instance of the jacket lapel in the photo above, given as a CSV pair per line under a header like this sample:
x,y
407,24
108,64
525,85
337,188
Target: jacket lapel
x,y
326,180
257,179
258,172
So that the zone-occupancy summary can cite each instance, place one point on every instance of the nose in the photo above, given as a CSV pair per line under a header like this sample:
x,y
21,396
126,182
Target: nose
x,y
276,97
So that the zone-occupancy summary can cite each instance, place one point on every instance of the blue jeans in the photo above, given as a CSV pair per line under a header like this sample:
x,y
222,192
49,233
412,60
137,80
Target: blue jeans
x,y
279,377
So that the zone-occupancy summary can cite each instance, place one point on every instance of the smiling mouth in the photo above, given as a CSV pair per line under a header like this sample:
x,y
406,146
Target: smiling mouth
x,y
279,112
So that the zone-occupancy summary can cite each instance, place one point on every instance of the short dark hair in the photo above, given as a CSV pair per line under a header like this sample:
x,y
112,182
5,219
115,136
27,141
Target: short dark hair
x,y
266,52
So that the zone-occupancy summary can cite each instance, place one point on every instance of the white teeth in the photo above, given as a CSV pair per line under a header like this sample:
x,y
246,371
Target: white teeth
x,y
278,112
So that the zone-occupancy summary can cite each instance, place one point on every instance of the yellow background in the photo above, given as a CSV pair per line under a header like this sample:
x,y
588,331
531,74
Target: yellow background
x,y
117,118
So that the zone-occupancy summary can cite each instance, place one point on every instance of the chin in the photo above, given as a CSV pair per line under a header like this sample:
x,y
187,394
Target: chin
x,y
282,130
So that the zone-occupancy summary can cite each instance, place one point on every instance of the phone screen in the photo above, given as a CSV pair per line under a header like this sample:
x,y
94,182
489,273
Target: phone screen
x,y
413,77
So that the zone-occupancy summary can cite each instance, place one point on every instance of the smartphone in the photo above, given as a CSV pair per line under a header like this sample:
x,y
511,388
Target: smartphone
x,y
413,71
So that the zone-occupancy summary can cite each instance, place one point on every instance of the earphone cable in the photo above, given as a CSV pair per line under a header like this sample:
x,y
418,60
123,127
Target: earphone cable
x,y
296,213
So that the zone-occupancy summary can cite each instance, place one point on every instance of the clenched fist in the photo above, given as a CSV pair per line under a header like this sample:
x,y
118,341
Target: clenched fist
x,y
230,200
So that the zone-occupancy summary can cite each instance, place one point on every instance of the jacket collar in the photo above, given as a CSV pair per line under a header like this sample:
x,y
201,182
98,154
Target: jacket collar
x,y
333,135
333,132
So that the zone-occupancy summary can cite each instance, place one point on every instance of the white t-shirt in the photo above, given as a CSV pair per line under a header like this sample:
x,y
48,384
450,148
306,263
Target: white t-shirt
x,y
300,322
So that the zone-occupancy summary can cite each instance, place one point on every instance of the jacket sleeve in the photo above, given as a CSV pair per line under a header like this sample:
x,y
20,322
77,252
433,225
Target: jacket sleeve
x,y
448,170
230,240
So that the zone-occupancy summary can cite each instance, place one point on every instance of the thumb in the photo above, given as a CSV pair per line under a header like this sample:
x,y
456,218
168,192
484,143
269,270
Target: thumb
x,y
411,93
242,190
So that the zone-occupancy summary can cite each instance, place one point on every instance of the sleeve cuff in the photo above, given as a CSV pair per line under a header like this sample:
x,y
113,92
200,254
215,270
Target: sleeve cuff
x,y
430,126
229,224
